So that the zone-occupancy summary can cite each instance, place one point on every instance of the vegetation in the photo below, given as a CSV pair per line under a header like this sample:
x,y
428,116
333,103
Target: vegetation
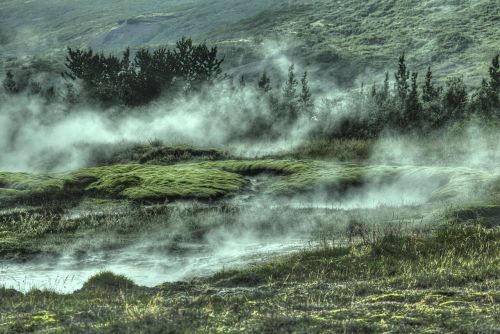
x,y
408,108
216,179
388,245
150,74
443,281
345,40
131,181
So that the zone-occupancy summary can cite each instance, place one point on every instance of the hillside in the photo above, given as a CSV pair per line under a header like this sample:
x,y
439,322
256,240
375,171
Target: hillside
x,y
336,40
350,38
41,26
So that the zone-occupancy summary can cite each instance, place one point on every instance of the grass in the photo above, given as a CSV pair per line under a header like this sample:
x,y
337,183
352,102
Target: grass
x,y
341,40
153,182
385,271
380,274
131,182
20,185
346,150
93,23
104,225
154,152
445,281
216,179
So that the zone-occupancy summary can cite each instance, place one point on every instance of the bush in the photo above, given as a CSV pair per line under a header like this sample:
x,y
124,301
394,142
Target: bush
x,y
108,282
120,80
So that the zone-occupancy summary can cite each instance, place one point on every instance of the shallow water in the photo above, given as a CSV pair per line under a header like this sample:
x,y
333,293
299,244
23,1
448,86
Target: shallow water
x,y
68,273
150,260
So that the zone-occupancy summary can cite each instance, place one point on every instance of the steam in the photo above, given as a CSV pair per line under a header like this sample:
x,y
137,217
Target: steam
x,y
48,136
168,248
33,130
473,146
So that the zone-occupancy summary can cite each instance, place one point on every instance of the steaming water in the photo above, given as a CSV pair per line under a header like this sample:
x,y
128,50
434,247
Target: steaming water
x,y
68,273
396,194
149,263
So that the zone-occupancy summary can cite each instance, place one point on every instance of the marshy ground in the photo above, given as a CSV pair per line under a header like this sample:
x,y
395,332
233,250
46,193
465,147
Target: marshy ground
x,y
177,239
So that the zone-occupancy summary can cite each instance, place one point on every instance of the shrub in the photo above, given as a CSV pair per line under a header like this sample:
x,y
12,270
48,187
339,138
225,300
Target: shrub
x,y
108,282
111,79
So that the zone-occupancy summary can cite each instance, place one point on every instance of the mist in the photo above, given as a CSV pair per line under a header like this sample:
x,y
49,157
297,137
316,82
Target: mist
x,y
34,131
54,136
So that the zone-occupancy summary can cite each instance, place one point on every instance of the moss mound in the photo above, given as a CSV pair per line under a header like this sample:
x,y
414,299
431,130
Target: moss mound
x,y
215,179
108,282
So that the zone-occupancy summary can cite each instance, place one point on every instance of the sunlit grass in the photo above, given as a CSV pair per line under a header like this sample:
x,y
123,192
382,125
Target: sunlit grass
x,y
445,281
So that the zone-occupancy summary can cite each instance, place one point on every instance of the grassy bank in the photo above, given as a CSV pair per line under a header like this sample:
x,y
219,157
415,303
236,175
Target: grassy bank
x,y
343,39
444,281
217,179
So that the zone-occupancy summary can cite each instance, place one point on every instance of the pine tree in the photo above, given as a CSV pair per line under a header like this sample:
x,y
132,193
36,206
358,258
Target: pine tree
x,y
305,94
455,99
264,83
495,73
486,100
380,96
35,88
494,83
49,94
413,107
482,102
137,81
242,81
385,90
288,110
9,84
402,76
290,90
429,92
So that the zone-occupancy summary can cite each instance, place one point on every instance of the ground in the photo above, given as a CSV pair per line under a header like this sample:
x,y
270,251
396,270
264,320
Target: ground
x,y
428,266
446,282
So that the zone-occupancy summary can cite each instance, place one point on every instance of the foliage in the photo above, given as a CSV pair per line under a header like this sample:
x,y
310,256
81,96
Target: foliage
x,y
9,84
108,282
133,82
441,281
264,83
407,108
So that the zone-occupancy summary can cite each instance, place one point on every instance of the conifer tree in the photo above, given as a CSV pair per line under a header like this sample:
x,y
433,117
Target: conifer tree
x,y
385,90
242,81
429,91
494,83
264,83
455,99
402,76
413,107
290,90
305,94
9,84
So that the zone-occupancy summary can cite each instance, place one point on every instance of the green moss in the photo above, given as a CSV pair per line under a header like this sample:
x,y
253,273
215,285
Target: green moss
x,y
153,182
29,186
108,282
132,182
215,179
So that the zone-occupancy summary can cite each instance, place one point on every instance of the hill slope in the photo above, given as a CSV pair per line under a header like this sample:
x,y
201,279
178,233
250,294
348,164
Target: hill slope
x,y
456,36
336,40
34,26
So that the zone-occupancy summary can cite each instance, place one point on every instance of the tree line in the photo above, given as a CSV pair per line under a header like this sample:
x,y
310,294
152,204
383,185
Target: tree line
x,y
406,105
402,104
